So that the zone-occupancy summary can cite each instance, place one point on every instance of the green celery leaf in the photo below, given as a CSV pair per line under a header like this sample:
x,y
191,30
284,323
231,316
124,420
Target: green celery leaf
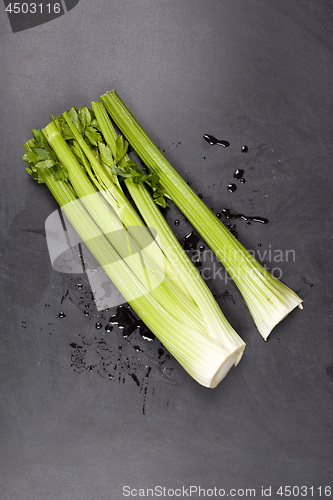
x,y
74,117
32,173
121,147
144,177
137,179
105,154
84,116
93,136
161,201
45,154
45,164
94,123
30,157
40,178
60,173
40,139
65,130
137,169
130,163
122,173
154,179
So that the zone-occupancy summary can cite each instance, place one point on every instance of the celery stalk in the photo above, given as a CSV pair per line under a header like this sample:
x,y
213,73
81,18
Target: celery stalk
x,y
268,299
217,325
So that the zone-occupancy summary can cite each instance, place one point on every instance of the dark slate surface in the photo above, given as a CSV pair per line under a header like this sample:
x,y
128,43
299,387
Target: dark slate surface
x,y
81,418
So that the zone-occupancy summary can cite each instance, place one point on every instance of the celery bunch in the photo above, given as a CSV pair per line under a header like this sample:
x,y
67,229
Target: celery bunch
x,y
85,164
82,160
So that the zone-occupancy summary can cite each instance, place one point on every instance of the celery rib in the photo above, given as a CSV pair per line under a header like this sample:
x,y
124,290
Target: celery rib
x,y
216,324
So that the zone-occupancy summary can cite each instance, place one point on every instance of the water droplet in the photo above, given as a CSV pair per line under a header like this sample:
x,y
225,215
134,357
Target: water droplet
x,y
233,229
218,215
232,187
238,174
191,241
98,325
137,348
177,222
79,286
108,328
242,180
127,322
147,335
135,378
248,218
245,149
200,195
62,314
212,140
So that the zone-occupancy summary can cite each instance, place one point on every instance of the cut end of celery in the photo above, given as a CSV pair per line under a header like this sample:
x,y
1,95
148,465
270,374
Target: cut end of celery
x,y
231,360
266,328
